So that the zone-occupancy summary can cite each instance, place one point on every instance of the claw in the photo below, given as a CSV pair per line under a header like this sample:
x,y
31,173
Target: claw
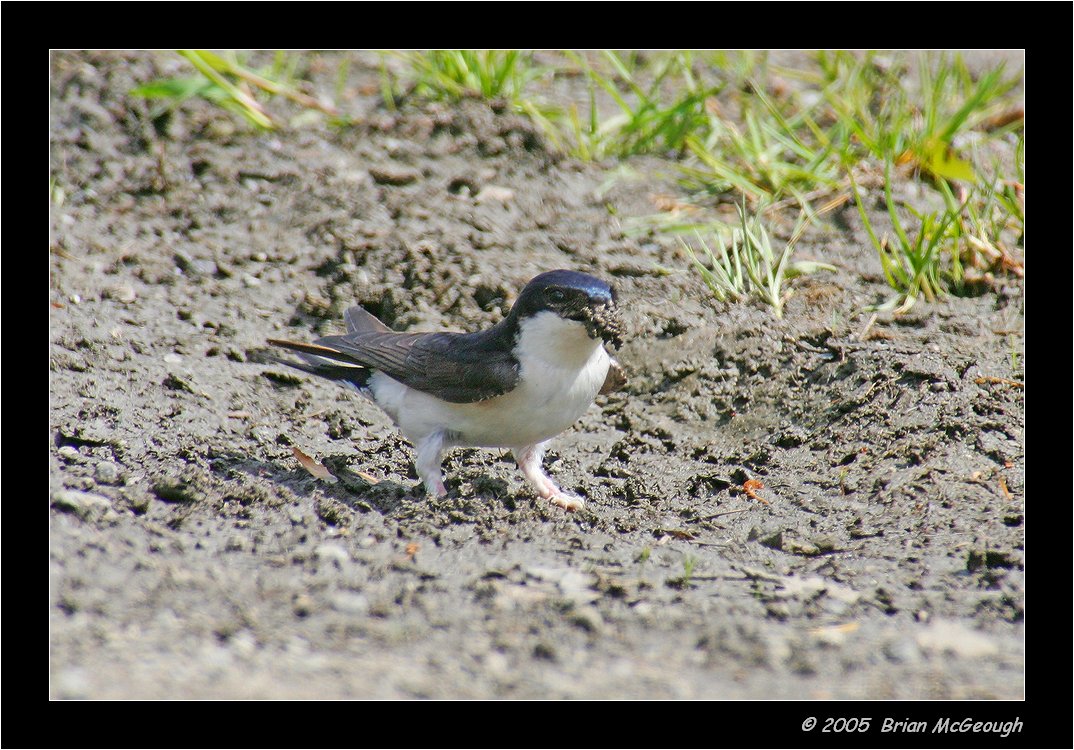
x,y
529,460
567,501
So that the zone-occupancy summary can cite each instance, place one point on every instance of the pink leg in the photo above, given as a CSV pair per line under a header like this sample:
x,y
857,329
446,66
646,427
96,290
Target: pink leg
x,y
427,462
529,459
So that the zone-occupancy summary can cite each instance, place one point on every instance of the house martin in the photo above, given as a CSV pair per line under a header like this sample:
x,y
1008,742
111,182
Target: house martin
x,y
516,385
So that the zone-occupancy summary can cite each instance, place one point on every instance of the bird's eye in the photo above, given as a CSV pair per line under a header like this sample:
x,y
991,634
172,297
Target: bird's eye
x,y
556,295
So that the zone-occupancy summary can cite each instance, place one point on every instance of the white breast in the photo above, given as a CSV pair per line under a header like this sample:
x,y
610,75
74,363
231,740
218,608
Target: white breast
x,y
561,369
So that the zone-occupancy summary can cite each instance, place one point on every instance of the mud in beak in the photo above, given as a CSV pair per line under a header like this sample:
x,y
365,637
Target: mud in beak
x,y
603,322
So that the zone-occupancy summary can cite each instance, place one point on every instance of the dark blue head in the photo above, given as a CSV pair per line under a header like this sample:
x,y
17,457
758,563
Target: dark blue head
x,y
574,296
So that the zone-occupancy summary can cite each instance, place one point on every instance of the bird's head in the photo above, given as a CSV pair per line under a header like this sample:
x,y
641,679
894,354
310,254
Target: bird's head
x,y
573,296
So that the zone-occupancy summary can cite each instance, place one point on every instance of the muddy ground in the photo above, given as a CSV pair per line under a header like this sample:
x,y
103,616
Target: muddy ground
x,y
191,556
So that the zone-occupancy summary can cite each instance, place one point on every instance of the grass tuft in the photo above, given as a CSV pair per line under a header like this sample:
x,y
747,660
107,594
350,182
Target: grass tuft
x,y
913,267
454,74
879,114
658,107
229,84
736,127
748,265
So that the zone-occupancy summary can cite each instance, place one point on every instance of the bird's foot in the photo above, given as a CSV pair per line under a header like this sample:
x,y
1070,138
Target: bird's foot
x,y
564,500
529,460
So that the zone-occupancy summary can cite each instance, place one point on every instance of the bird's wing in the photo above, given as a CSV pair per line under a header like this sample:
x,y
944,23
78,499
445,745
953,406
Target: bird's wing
x,y
450,366
616,378
360,320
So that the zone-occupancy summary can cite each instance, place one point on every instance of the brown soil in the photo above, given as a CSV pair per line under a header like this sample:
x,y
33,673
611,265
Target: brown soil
x,y
191,556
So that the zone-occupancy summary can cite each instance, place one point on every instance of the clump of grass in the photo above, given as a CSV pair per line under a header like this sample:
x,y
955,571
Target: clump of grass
x,y
748,265
689,563
454,74
775,150
878,114
1012,344
451,75
913,267
736,128
993,218
226,82
657,113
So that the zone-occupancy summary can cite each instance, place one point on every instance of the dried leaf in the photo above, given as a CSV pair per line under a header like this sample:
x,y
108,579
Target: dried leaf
x,y
834,634
939,160
676,533
806,267
750,487
1004,118
1004,381
669,203
368,477
318,471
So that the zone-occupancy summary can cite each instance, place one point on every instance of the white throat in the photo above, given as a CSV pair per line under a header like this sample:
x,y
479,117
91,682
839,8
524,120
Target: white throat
x,y
556,340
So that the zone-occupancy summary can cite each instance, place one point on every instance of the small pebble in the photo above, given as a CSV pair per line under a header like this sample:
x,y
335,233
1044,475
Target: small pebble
x,y
902,651
82,504
303,606
800,547
495,193
204,267
329,552
244,643
85,484
391,175
587,618
121,293
952,637
73,682
106,473
350,602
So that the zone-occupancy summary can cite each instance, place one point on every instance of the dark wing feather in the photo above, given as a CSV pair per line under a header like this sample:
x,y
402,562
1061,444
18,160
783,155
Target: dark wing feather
x,y
355,376
358,320
615,379
457,367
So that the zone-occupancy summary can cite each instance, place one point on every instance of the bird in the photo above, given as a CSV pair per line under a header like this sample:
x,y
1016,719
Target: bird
x,y
515,385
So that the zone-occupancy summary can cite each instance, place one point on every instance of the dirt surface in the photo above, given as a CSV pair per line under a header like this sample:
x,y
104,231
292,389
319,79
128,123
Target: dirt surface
x,y
191,556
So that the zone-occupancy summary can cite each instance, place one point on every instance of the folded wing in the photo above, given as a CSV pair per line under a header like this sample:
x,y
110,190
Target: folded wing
x,y
457,367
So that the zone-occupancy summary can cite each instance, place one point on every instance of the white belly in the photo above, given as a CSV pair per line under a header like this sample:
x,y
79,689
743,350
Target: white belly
x,y
554,390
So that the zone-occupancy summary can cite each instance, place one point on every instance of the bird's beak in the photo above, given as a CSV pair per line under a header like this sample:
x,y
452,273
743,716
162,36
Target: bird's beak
x,y
604,322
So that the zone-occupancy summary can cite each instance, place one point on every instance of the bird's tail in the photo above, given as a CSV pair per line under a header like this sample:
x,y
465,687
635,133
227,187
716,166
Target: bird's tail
x,y
319,359
324,362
